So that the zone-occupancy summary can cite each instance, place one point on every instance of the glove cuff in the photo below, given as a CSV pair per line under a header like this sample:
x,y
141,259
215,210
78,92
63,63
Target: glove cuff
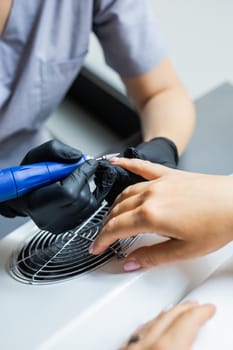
x,y
158,150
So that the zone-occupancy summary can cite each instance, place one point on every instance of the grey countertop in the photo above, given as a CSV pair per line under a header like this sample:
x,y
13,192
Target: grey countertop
x,y
211,148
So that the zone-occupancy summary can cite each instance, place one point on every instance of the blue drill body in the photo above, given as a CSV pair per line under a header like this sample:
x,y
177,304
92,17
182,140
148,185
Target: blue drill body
x,y
19,180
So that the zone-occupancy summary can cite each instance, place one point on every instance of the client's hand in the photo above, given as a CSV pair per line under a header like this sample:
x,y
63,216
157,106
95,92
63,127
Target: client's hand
x,y
65,204
193,210
158,150
175,329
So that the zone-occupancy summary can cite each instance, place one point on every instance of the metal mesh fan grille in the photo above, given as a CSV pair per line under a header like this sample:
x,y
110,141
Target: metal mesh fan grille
x,y
49,258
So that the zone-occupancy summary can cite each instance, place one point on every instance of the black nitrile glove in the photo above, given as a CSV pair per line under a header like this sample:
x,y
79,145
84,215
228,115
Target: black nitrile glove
x,y
65,204
158,150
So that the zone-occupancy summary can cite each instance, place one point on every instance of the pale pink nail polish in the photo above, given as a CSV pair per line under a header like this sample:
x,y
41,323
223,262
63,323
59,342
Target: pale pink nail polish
x,y
91,248
131,266
114,159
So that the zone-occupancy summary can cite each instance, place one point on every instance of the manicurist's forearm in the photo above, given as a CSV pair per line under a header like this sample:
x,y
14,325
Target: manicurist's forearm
x,y
165,108
170,114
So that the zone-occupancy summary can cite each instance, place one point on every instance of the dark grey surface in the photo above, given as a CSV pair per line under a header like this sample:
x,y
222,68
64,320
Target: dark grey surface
x,y
7,225
210,150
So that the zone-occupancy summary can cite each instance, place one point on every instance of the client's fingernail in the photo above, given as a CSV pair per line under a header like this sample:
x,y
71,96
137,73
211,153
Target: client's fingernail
x,y
91,248
114,160
132,265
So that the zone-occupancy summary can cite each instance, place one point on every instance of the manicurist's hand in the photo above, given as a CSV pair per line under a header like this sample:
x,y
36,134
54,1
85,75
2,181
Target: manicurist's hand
x,y
64,204
193,210
174,329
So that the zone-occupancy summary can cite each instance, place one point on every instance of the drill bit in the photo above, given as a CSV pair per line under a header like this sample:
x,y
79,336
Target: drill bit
x,y
108,156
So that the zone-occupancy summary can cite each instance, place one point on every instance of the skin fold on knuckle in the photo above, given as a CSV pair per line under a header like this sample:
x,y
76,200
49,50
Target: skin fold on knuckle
x,y
107,235
113,212
110,226
124,194
146,212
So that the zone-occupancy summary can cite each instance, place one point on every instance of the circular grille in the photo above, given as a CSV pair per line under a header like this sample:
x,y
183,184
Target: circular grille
x,y
48,258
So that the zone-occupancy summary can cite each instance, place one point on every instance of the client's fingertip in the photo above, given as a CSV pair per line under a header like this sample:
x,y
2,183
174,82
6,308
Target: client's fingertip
x,y
132,265
211,309
91,248
115,160
95,249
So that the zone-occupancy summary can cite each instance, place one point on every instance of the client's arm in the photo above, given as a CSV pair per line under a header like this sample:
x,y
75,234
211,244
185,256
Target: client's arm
x,y
193,210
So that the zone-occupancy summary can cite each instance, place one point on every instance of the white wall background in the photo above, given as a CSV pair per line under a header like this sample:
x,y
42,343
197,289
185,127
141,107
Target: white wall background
x,y
199,36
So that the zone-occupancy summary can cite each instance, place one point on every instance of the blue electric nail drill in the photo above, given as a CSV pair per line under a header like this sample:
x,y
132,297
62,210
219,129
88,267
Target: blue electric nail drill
x,y
19,180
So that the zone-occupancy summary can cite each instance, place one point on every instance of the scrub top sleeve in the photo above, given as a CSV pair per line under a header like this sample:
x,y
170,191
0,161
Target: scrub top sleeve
x,y
129,35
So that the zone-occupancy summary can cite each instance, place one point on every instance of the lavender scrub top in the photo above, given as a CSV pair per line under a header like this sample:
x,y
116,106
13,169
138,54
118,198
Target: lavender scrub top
x,y
43,47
